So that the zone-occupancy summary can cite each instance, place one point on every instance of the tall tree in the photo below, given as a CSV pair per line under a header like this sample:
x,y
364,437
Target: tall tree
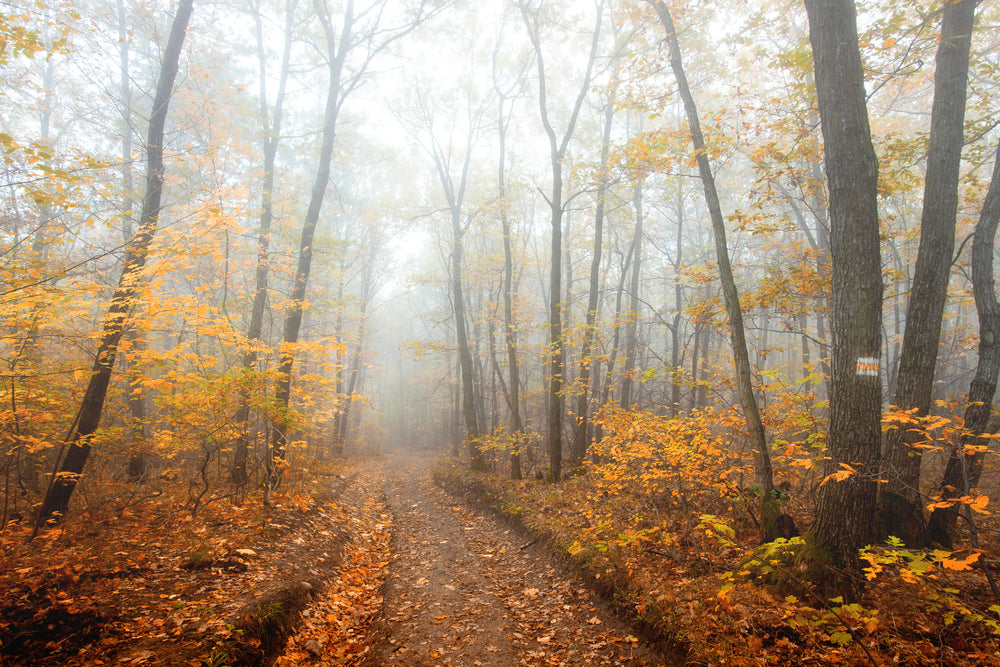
x,y
632,319
900,506
77,442
360,30
336,54
271,125
845,509
965,464
581,436
770,524
557,152
455,186
509,327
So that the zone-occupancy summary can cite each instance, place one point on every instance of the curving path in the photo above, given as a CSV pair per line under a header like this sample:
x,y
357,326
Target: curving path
x,y
463,591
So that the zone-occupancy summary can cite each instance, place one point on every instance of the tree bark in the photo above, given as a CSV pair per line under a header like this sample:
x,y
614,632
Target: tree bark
x,y
758,441
845,509
272,129
632,322
581,435
336,54
964,467
88,418
454,191
557,151
510,329
900,507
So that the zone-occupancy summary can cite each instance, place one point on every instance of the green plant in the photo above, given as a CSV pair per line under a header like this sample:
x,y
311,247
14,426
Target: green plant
x,y
216,659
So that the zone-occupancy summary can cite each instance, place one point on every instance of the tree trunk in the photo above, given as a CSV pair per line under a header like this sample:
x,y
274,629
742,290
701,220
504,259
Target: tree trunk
x,y
87,419
581,435
510,330
770,527
336,54
632,322
254,329
464,353
342,419
900,507
676,372
138,435
964,467
845,509
557,151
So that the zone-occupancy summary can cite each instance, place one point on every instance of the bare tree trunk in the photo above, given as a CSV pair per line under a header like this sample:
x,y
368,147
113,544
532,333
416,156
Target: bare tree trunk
x,y
510,330
271,139
557,151
354,372
138,434
845,509
336,55
900,508
770,515
676,372
80,434
965,466
632,321
581,436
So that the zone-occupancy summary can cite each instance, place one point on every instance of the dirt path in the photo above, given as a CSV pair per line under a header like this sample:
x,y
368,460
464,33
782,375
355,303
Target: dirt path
x,y
462,590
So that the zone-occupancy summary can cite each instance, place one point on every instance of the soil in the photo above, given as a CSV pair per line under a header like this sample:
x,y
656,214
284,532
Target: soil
x,y
380,567
464,590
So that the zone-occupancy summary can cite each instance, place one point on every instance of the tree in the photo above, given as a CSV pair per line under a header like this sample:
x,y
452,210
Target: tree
x,y
509,328
455,188
845,508
77,441
900,507
632,320
965,464
557,152
336,54
770,524
359,30
271,123
581,436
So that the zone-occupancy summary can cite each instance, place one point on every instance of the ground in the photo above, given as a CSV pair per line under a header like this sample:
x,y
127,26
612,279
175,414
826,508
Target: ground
x,y
372,565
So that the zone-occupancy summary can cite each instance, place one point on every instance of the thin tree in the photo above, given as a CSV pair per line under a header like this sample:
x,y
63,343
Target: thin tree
x,y
845,508
900,506
271,123
510,328
581,436
625,400
372,39
557,152
772,524
965,464
454,186
77,444
138,464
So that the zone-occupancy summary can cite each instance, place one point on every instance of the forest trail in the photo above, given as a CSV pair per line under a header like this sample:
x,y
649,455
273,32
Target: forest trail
x,y
462,590
450,587
381,567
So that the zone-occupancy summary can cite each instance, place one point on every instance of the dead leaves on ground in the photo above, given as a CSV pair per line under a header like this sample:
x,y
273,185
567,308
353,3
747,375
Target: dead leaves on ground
x,y
336,629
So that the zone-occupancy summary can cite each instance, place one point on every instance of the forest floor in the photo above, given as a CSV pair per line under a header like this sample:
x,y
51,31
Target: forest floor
x,y
372,564
404,560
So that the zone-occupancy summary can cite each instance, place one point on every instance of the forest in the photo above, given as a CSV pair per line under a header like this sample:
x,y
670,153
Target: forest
x,y
496,332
